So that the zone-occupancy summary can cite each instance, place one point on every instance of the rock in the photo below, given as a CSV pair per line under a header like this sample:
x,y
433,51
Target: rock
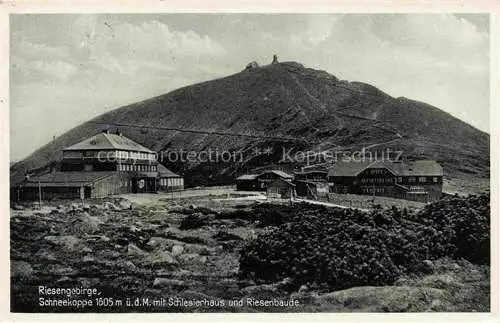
x,y
125,205
161,282
88,258
427,267
59,270
45,256
20,269
177,250
129,265
192,258
68,242
303,289
17,207
133,250
155,242
111,206
161,259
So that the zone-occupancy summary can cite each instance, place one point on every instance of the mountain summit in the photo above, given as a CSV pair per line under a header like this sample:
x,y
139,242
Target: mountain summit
x,y
269,106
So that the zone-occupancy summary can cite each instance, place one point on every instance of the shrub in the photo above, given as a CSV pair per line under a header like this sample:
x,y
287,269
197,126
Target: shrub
x,y
341,248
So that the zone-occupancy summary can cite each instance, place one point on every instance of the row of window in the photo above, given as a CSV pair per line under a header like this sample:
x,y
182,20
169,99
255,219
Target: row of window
x,y
373,190
377,171
411,179
136,168
171,182
376,180
134,155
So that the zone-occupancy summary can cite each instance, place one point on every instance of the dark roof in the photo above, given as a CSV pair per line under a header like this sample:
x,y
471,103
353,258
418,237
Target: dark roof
x,y
412,168
165,172
103,141
67,178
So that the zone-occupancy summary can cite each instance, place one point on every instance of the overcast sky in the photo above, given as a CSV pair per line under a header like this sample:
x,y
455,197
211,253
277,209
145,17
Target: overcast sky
x,y
66,69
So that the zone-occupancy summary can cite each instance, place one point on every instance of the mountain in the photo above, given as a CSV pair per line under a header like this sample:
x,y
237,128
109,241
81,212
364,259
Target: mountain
x,y
281,102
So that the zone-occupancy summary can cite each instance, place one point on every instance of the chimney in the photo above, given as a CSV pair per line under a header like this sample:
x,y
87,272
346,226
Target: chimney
x,y
275,59
118,132
105,130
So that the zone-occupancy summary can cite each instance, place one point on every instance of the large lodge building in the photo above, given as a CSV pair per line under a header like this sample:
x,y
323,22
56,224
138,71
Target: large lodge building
x,y
417,180
102,165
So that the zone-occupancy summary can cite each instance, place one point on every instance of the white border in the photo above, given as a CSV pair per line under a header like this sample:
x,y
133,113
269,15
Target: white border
x,y
260,6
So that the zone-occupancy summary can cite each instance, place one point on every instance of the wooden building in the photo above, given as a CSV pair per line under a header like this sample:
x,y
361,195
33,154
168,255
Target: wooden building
x,y
281,189
169,181
102,165
254,182
247,183
419,180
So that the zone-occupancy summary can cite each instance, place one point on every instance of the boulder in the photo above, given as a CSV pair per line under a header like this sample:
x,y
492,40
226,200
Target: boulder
x,y
192,258
133,250
162,259
177,250
111,206
161,282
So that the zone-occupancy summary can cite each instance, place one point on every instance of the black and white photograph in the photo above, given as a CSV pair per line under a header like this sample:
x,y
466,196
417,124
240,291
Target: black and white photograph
x,y
249,162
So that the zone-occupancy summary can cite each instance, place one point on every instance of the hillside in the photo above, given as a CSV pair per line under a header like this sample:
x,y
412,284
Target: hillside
x,y
285,100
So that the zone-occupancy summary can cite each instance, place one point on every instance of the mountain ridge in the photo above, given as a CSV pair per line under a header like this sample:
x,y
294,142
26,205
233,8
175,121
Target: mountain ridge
x,y
289,100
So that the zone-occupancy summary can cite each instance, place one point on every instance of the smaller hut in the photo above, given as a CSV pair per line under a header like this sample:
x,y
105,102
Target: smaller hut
x,y
280,189
247,182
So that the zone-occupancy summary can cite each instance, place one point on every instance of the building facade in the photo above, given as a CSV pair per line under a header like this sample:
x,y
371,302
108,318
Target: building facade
x,y
420,180
102,165
259,182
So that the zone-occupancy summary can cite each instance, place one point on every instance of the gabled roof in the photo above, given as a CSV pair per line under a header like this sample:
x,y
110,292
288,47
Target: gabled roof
x,y
280,180
280,173
348,169
73,179
422,168
165,172
412,168
104,141
247,177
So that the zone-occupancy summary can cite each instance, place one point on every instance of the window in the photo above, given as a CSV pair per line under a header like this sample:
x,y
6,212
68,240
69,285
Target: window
x,y
435,179
411,179
422,179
